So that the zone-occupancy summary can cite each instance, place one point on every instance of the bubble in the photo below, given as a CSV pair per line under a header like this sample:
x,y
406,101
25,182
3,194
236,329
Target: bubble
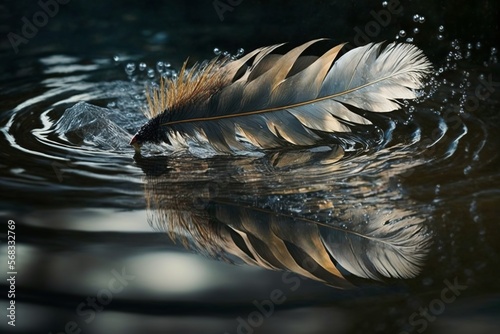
x,y
409,40
469,46
240,52
111,105
217,51
226,54
384,4
493,55
167,64
416,17
116,58
151,73
440,37
416,30
478,45
130,68
421,19
402,33
441,28
142,66
167,74
160,66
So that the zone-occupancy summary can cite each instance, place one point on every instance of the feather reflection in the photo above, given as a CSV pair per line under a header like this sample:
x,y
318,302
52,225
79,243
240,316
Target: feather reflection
x,y
301,211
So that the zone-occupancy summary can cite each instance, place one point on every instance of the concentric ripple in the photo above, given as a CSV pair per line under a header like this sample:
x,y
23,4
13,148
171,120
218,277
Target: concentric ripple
x,y
70,134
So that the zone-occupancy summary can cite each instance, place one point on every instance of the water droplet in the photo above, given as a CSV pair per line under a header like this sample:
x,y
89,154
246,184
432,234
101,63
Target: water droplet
x,y
384,4
440,37
416,30
402,33
167,74
416,17
421,19
437,190
441,28
160,66
217,51
151,73
130,68
142,66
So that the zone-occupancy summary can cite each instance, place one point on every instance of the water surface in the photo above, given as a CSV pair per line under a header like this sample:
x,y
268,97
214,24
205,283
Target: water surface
x,y
85,208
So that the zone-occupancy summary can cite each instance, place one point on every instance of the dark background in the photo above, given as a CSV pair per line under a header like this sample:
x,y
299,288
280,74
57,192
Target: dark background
x,y
174,30
192,28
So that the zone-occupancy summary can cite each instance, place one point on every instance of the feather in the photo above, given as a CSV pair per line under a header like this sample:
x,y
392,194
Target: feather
x,y
268,100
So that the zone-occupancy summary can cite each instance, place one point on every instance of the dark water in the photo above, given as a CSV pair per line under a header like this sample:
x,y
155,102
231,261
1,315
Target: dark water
x,y
93,221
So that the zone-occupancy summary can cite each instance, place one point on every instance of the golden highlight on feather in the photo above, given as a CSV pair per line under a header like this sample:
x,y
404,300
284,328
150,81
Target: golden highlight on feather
x,y
190,86
269,99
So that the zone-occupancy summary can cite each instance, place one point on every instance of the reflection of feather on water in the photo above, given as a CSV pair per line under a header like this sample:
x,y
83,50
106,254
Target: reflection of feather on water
x,y
373,244
306,231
